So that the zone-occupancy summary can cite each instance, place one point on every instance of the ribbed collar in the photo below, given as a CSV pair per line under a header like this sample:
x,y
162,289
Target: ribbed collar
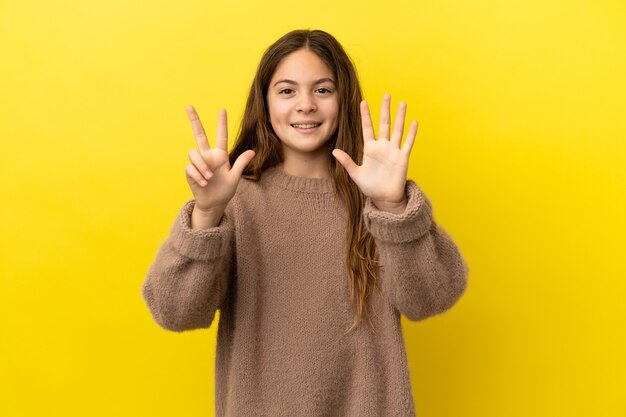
x,y
276,176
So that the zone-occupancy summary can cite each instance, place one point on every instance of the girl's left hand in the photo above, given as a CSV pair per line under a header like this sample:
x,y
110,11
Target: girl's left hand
x,y
383,174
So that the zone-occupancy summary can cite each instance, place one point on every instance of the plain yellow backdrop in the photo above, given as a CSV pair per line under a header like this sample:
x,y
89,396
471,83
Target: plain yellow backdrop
x,y
521,148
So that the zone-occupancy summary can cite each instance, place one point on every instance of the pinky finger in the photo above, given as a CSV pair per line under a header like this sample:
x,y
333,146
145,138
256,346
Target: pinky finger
x,y
194,174
410,138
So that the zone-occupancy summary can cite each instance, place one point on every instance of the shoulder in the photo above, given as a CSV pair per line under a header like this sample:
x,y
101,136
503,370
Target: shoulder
x,y
248,187
250,191
249,184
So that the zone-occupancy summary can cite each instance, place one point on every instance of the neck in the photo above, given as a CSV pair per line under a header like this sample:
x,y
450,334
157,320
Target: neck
x,y
306,167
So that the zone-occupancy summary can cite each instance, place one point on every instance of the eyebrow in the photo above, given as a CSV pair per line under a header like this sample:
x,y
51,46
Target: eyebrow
x,y
320,81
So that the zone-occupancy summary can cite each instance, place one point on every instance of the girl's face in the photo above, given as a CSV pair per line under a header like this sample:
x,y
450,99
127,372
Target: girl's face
x,y
303,104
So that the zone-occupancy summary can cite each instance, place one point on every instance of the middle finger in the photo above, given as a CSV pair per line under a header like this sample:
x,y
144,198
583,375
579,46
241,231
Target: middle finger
x,y
198,130
385,118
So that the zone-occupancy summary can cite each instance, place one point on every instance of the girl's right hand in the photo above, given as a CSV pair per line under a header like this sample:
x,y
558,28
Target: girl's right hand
x,y
212,180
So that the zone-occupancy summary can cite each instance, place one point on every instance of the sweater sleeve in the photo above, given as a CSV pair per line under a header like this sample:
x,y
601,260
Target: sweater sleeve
x,y
188,279
422,270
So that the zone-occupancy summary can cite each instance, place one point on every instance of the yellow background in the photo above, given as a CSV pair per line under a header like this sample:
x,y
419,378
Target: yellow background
x,y
521,148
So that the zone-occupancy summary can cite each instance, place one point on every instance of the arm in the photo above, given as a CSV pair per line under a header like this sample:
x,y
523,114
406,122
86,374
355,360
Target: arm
x,y
188,279
423,273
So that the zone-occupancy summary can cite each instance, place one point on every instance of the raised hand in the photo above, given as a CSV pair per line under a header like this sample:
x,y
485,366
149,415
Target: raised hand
x,y
212,180
383,174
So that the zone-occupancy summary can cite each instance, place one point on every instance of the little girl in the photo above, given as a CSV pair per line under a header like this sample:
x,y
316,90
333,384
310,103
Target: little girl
x,y
306,228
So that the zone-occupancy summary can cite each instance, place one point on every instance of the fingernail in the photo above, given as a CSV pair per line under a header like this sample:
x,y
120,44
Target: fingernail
x,y
207,175
203,183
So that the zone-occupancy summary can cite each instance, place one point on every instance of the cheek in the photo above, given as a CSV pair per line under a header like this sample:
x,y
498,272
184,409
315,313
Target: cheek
x,y
335,113
334,110
272,110
277,113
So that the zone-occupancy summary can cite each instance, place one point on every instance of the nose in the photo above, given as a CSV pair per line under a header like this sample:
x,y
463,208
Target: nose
x,y
306,103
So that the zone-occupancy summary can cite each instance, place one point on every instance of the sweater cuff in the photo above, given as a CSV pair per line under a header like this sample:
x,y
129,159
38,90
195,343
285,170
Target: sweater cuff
x,y
410,225
197,244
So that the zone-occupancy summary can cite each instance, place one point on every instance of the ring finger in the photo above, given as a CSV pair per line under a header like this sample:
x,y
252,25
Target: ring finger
x,y
192,172
398,128
197,160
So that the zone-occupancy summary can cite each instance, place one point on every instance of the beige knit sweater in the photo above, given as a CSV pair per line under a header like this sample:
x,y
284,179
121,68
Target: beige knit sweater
x,y
274,267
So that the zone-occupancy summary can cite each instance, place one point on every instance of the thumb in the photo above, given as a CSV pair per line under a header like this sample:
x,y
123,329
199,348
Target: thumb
x,y
241,162
347,162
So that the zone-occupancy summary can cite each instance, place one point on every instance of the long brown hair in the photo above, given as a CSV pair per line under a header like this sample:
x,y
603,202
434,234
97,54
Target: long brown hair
x,y
255,132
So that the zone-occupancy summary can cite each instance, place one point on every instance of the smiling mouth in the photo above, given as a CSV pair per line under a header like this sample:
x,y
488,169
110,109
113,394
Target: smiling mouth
x,y
306,125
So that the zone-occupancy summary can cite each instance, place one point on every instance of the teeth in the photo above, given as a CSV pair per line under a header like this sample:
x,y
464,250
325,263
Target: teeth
x,y
306,126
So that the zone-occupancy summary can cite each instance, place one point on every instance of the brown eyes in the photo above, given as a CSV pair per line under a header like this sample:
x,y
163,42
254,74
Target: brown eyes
x,y
322,90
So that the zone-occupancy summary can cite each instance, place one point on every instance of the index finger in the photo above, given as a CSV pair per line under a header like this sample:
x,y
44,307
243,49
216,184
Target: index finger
x,y
222,130
366,122
198,130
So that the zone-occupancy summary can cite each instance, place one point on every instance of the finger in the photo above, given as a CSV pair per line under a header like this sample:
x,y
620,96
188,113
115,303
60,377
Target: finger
x,y
194,174
222,130
398,128
241,162
410,138
200,164
198,130
385,118
347,162
366,122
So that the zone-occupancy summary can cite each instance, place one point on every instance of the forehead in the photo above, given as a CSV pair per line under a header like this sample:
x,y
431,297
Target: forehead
x,y
302,66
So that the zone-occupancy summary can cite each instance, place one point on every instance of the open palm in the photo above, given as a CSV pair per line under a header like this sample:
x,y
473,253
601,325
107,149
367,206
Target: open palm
x,y
383,173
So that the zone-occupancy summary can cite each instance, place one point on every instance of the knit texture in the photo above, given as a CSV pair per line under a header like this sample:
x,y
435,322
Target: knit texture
x,y
275,269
